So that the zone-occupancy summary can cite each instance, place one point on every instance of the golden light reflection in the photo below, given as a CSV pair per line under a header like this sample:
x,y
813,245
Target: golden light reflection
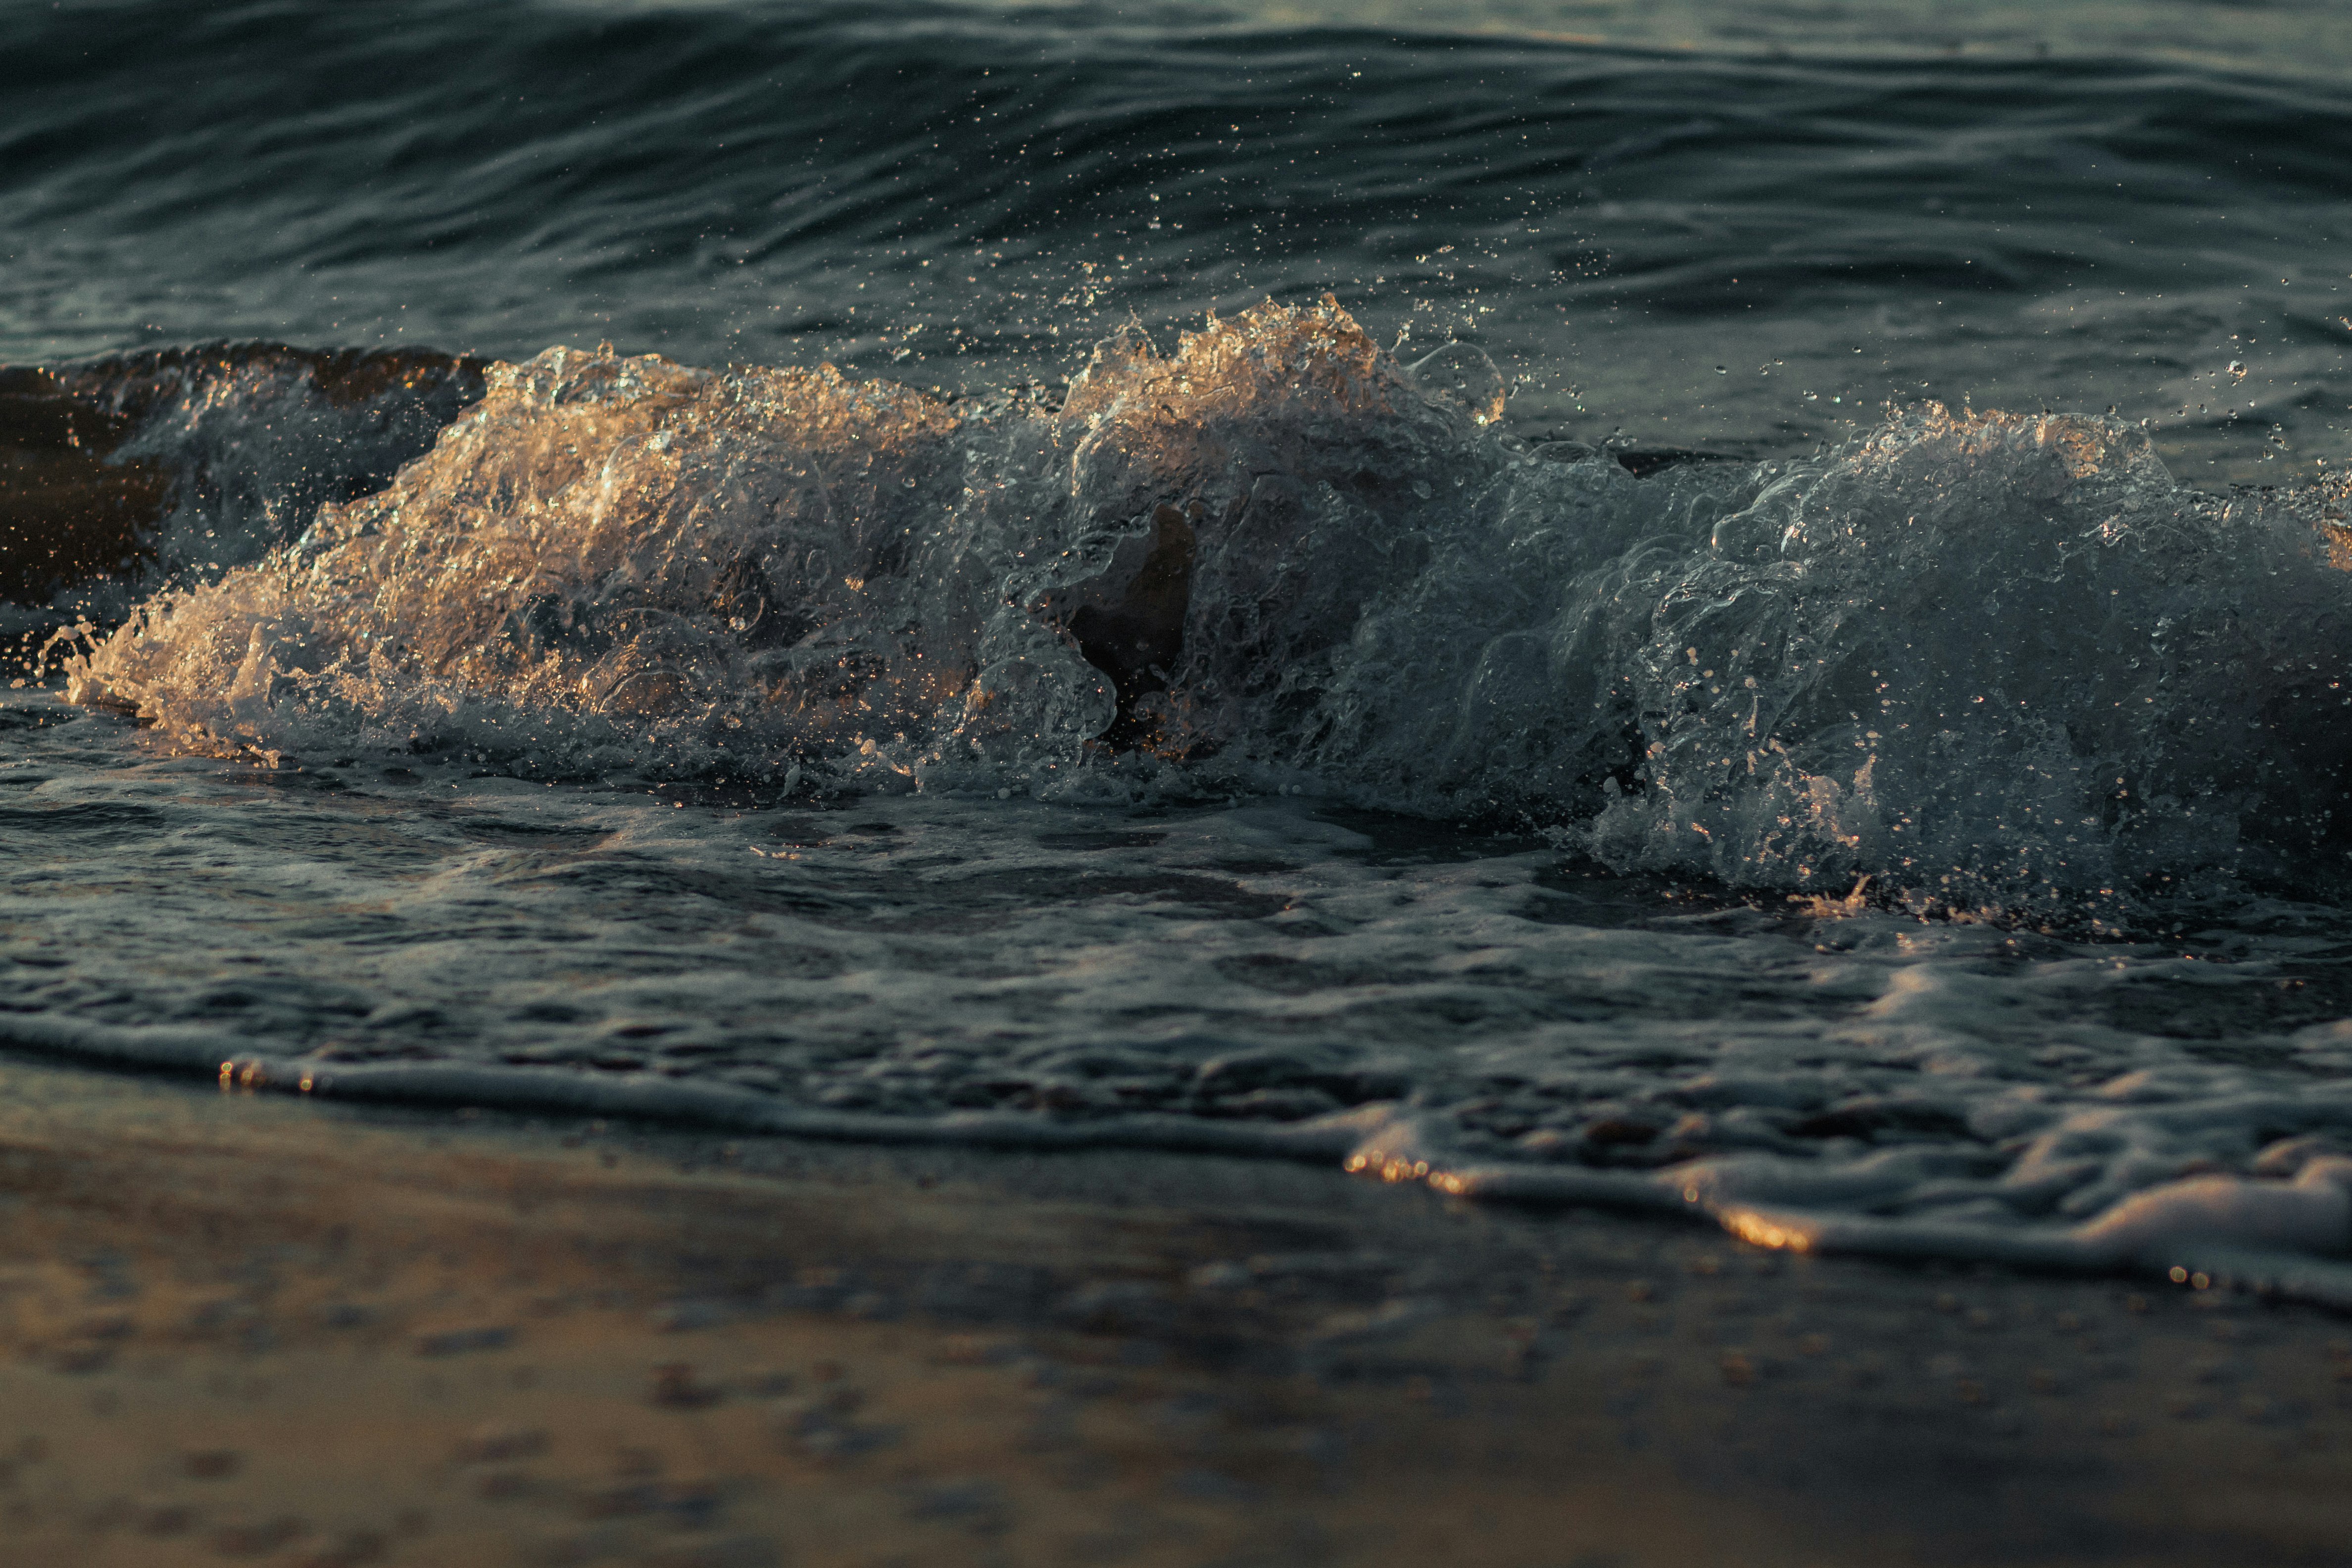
x,y
1391,1168
1757,1231
2338,540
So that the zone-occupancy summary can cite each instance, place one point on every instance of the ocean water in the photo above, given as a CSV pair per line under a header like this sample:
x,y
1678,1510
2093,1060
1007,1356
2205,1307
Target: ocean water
x,y
1740,611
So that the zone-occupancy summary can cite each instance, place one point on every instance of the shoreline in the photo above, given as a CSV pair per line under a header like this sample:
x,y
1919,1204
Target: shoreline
x,y
271,1330
2285,1254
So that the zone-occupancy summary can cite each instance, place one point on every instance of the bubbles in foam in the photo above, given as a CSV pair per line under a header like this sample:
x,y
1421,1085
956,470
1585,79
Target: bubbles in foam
x,y
1992,652
1965,658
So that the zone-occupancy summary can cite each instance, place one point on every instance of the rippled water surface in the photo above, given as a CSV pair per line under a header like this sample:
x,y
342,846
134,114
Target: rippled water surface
x,y
1752,243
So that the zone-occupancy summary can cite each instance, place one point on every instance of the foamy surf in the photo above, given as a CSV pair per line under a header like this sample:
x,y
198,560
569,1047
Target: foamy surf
x,y
1966,660
1282,977
1967,668
132,471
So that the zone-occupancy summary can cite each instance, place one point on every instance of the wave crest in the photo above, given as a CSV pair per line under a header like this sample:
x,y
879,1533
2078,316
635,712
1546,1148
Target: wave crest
x,y
1969,658
120,474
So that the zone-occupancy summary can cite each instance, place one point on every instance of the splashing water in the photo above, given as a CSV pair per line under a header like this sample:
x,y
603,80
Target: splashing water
x,y
1964,659
1925,842
128,472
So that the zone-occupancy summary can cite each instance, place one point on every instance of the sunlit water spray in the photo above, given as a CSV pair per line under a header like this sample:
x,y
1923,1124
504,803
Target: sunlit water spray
x,y
1962,660
1926,847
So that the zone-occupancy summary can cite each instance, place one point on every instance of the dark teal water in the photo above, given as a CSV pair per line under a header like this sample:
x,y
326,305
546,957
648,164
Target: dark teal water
x,y
1695,249
1618,758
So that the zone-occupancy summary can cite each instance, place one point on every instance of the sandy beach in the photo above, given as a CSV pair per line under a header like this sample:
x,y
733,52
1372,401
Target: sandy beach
x,y
249,1327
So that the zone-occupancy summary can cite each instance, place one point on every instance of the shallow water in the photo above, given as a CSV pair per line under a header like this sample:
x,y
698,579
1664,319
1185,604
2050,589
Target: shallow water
x,y
1519,712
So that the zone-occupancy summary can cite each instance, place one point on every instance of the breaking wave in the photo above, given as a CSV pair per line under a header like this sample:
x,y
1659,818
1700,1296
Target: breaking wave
x,y
1965,658
122,474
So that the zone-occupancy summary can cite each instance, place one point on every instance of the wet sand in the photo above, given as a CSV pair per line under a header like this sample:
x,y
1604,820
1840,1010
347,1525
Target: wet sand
x,y
254,1329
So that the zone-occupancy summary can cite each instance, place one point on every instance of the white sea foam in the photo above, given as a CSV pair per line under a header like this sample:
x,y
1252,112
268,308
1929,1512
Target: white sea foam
x,y
1280,977
1969,658
1996,671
